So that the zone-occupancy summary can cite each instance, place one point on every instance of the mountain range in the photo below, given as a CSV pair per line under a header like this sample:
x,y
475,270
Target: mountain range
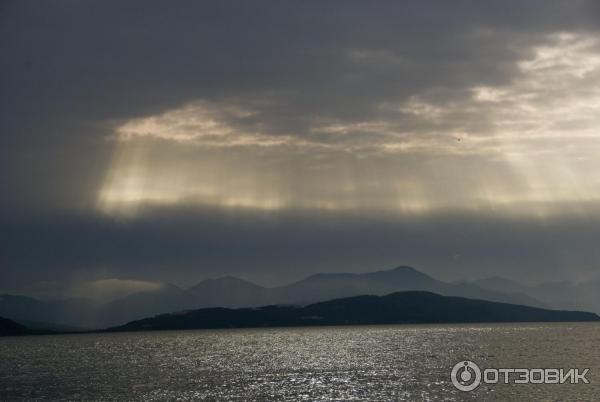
x,y
397,308
233,292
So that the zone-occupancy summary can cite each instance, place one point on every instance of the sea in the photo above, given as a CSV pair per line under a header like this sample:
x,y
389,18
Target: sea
x,y
351,363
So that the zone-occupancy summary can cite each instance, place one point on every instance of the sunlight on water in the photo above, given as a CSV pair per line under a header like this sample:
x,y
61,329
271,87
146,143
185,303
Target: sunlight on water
x,y
342,363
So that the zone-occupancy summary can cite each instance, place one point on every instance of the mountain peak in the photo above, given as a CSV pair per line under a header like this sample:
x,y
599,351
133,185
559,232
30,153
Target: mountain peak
x,y
403,272
224,281
402,269
406,268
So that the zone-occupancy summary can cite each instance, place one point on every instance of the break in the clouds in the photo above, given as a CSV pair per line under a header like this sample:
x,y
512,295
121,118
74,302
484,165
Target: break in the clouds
x,y
402,112
530,140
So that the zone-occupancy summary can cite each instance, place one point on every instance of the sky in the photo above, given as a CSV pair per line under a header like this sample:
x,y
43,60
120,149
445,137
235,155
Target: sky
x,y
152,141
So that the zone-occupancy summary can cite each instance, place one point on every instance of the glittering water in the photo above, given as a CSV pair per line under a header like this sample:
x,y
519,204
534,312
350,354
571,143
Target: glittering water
x,y
332,363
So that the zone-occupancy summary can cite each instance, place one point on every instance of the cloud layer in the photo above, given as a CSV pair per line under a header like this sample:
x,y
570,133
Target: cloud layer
x,y
306,124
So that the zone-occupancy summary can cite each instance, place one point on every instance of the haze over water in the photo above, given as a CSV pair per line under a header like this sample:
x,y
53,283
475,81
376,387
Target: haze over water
x,y
329,363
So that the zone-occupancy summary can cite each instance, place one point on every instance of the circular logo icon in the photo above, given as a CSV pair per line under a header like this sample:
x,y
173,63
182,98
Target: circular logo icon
x,y
466,375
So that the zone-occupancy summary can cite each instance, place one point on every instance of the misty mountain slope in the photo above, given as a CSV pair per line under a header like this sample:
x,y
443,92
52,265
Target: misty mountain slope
x,y
9,328
560,294
330,286
396,308
61,313
320,287
229,291
167,298
78,313
464,289
24,308
500,284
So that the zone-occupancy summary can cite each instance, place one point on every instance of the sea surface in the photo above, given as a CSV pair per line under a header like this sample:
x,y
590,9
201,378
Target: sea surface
x,y
370,363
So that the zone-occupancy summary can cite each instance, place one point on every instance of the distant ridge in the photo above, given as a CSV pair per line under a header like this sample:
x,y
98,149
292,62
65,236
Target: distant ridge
x,y
583,295
232,292
396,308
320,287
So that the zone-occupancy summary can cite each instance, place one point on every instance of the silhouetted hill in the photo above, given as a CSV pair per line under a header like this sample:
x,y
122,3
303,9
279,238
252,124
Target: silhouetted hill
x,y
396,308
9,328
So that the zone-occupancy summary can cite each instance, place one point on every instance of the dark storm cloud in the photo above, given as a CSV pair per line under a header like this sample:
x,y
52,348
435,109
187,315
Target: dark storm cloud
x,y
187,245
106,60
71,72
